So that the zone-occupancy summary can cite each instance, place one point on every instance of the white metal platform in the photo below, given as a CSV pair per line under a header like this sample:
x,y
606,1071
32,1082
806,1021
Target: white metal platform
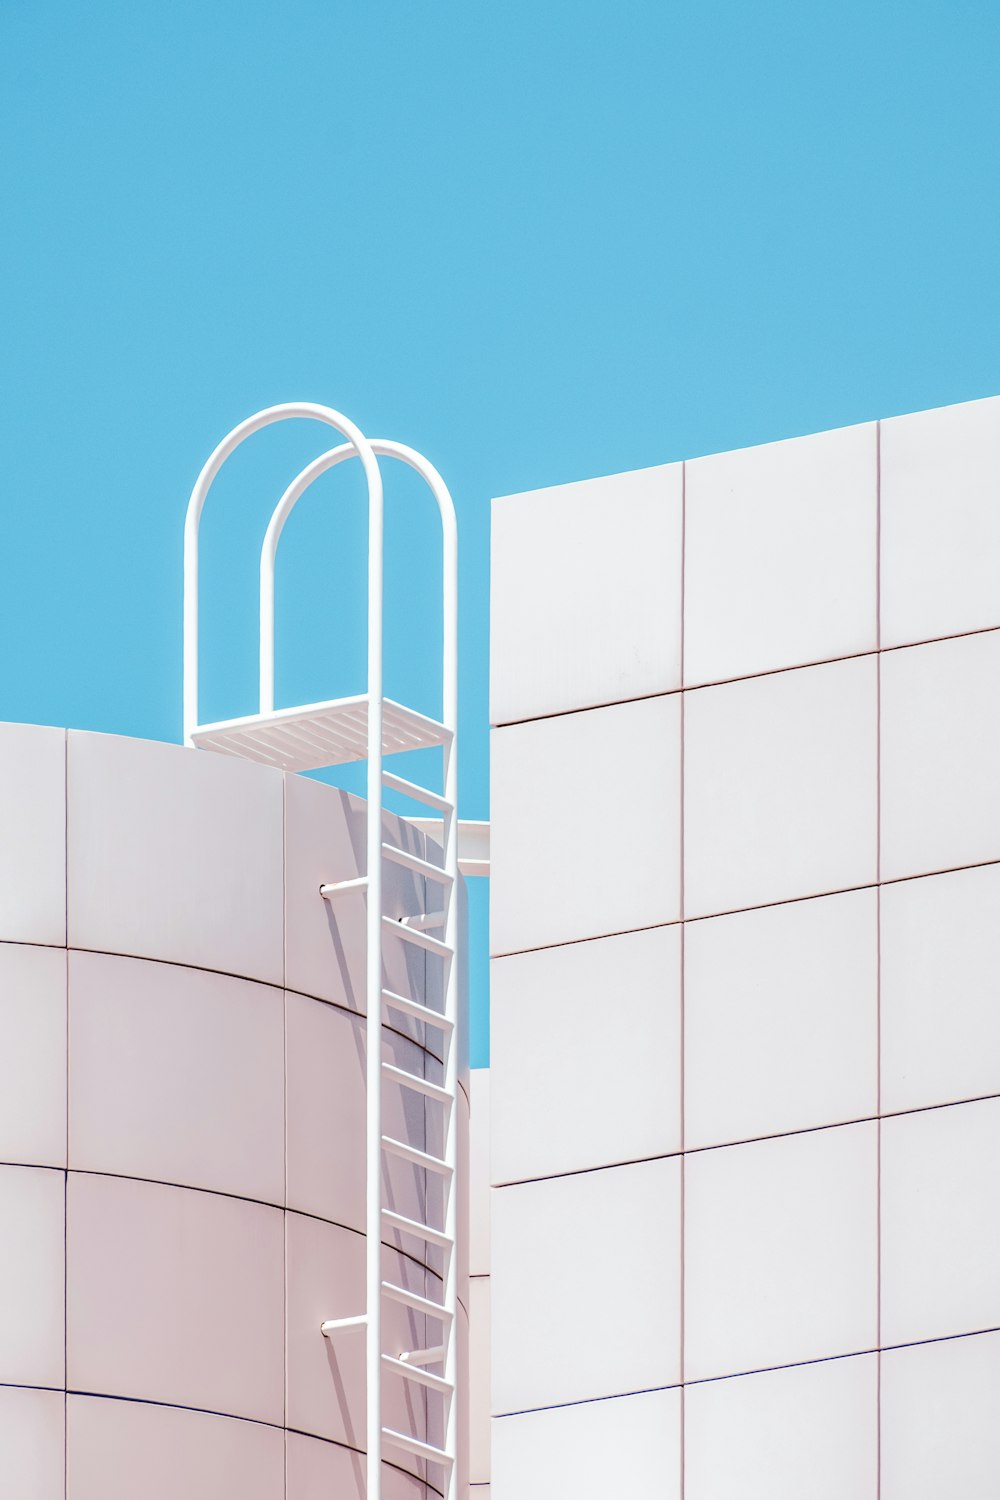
x,y
319,734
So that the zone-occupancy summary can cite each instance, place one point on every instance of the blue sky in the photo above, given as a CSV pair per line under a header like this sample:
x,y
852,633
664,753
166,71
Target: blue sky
x,y
538,242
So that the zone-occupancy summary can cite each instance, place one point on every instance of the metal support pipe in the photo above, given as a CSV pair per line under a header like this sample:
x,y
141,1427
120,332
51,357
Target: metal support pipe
x,y
336,1325
373,1070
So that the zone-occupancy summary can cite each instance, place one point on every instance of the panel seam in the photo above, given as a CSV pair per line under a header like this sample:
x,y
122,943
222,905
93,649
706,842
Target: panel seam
x,y
878,960
682,1041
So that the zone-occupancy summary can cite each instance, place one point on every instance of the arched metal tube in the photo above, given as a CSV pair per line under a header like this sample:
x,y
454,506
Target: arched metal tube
x,y
359,445
384,448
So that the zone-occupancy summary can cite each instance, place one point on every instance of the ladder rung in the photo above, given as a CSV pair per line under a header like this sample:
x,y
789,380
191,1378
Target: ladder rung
x,y
414,1227
416,1302
416,1447
413,935
418,866
418,793
419,1085
417,1011
414,1372
418,1158
343,887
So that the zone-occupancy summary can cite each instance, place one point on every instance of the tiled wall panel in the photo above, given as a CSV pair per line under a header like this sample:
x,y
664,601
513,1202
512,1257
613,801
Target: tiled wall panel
x,y
583,1093
586,825
940,1434
33,1054
779,561
174,1296
940,511
780,1251
316,1470
940,1222
32,1262
940,988
324,841
479,1379
582,1306
479,1173
325,1278
780,1009
144,1036
33,842
940,724
784,1434
595,614
32,1428
836,838
480,1312
193,874
181,1132
628,1446
780,787
119,1450
325,1060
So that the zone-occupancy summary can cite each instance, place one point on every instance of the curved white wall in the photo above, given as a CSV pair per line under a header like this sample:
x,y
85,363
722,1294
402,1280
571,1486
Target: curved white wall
x,y
182,1047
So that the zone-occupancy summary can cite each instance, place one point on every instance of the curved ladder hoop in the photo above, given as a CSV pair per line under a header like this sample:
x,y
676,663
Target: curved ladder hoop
x,y
385,448
360,444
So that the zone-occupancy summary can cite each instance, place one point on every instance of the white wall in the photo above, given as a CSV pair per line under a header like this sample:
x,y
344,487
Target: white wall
x,y
746,973
479,1286
182,1045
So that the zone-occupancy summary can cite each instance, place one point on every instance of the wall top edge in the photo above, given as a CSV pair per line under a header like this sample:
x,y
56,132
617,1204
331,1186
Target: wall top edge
x,y
14,726
697,458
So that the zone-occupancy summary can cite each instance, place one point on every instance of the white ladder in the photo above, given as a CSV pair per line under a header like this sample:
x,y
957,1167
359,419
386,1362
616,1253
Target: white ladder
x,y
368,727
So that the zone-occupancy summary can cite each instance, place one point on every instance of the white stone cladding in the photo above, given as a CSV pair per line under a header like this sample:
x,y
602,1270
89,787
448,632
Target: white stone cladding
x,y
745,983
182,1106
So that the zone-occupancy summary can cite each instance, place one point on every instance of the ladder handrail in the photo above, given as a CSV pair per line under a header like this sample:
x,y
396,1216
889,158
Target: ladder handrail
x,y
384,448
192,521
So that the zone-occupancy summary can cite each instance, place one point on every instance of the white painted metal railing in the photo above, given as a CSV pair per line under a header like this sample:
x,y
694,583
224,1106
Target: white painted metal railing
x,y
329,733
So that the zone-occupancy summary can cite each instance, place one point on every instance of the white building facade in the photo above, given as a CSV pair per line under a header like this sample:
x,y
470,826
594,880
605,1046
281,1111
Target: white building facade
x,y
735,1201
233,1083
183,1036
745,977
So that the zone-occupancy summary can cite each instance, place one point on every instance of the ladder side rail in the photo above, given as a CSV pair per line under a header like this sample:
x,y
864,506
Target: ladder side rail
x,y
373,1103
453,1476
449,717
192,521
